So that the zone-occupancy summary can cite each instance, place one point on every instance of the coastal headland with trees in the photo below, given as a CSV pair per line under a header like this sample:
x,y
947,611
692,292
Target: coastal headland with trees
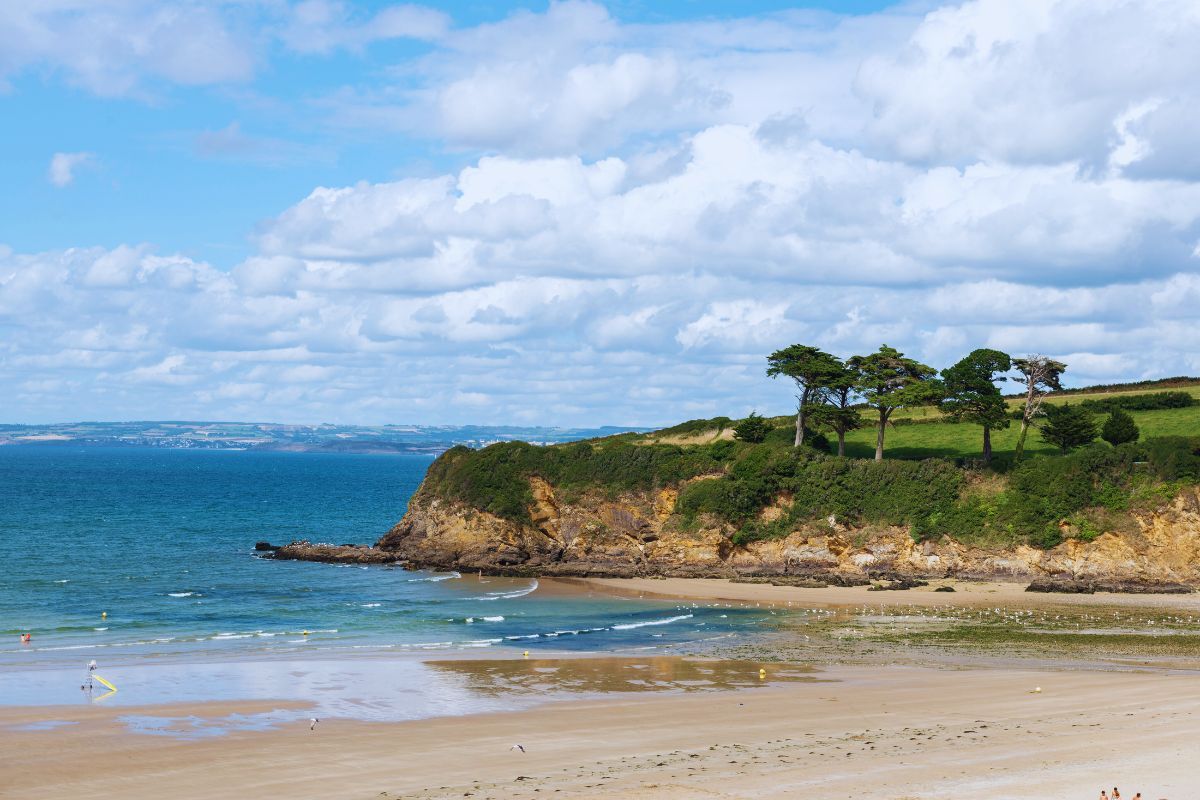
x,y
879,443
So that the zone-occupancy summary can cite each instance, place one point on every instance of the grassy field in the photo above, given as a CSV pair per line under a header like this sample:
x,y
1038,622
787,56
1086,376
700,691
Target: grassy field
x,y
963,440
931,412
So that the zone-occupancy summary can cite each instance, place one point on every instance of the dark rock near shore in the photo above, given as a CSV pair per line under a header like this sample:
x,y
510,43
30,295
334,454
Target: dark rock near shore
x,y
898,585
331,553
265,547
1061,586
1084,586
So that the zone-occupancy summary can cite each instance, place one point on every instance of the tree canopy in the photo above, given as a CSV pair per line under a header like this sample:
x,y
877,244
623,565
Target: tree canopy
x,y
886,381
1040,374
1068,427
1119,428
812,369
971,395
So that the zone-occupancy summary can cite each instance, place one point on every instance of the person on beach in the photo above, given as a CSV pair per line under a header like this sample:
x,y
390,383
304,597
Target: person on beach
x,y
1116,795
1103,795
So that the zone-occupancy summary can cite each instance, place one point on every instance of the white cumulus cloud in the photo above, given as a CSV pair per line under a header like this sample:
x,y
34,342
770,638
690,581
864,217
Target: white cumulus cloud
x,y
63,165
639,213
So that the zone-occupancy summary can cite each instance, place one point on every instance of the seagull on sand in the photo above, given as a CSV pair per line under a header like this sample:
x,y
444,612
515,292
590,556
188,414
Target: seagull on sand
x,y
516,747
312,723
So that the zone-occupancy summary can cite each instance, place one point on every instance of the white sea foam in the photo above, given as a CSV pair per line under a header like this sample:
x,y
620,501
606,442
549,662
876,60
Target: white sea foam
x,y
631,625
64,580
180,594
99,629
526,636
436,578
493,619
530,589
371,605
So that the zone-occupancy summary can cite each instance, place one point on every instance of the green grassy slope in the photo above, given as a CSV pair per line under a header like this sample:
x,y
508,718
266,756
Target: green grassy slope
x,y
960,440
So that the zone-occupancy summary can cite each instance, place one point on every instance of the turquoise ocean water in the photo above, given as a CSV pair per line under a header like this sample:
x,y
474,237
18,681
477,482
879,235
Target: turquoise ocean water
x,y
162,541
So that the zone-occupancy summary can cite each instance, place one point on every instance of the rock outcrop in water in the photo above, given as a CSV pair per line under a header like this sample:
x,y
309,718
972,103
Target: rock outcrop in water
x,y
640,533
329,553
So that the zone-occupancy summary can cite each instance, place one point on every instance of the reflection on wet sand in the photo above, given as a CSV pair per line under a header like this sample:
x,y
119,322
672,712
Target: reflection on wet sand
x,y
580,675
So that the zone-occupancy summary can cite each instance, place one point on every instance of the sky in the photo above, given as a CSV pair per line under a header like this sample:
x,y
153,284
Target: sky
x,y
579,213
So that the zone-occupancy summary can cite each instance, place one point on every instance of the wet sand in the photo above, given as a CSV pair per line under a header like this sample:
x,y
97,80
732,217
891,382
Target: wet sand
x,y
887,733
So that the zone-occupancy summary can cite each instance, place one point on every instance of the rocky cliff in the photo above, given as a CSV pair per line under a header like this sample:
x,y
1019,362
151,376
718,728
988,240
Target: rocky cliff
x,y
640,533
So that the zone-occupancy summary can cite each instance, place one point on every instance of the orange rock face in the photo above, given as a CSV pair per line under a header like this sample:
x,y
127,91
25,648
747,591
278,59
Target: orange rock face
x,y
640,533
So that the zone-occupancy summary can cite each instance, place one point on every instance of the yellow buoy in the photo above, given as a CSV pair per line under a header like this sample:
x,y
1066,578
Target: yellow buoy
x,y
103,615
527,654
762,673
305,633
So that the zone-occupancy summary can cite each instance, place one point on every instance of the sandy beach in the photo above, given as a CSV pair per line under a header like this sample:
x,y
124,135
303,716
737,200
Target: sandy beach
x,y
891,733
966,593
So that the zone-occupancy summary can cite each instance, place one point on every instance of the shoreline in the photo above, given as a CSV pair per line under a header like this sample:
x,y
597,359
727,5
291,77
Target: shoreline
x,y
874,732
966,593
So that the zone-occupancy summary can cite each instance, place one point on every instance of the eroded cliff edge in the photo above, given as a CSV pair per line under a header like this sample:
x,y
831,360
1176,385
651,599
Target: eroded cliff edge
x,y
642,532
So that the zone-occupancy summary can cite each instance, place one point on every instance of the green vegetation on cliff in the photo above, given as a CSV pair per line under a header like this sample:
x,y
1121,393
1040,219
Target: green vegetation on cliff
x,y
496,478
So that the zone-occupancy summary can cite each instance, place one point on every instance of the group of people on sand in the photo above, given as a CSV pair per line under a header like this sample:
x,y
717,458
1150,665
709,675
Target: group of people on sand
x,y
1116,795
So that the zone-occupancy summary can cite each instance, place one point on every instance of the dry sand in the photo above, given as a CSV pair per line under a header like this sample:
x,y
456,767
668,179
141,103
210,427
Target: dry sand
x,y
966,593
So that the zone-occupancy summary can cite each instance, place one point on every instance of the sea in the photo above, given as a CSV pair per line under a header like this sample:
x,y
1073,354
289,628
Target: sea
x,y
143,560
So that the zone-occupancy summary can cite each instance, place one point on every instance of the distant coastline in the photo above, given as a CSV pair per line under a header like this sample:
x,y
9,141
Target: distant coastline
x,y
278,437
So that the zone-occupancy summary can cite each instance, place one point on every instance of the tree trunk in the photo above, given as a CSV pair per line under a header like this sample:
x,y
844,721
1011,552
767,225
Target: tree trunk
x,y
987,445
799,426
1021,441
841,442
879,436
1030,392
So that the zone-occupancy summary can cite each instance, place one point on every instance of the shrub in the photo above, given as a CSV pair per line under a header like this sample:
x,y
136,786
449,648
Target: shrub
x,y
693,426
1156,401
1119,428
1068,426
752,429
887,492
1044,491
496,478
